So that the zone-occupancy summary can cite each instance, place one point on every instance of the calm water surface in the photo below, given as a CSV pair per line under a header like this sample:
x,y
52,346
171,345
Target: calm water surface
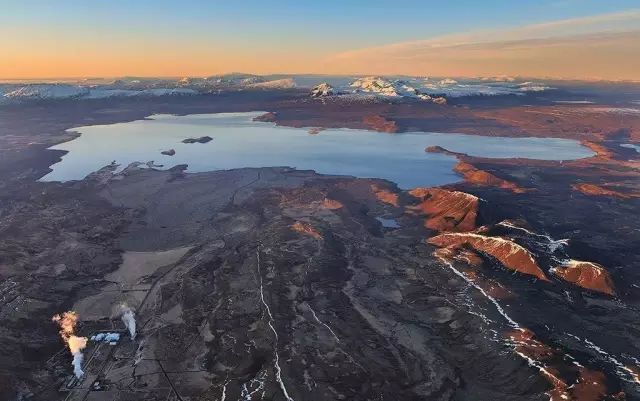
x,y
240,142
388,223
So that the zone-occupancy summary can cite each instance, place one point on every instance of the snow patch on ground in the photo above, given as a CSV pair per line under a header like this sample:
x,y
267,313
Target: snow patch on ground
x,y
617,110
573,101
631,146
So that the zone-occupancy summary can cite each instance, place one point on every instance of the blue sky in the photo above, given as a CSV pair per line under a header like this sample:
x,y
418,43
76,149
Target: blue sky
x,y
335,24
199,37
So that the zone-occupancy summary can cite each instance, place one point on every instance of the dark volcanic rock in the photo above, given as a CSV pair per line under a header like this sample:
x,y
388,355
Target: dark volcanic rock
x,y
169,152
440,149
268,117
202,139
287,288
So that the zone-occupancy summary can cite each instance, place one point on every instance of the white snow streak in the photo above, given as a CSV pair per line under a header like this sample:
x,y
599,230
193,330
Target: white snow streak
x,y
323,323
624,372
511,322
275,333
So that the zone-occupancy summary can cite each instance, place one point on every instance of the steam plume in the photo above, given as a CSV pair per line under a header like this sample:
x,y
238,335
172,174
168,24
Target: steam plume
x,y
67,322
129,320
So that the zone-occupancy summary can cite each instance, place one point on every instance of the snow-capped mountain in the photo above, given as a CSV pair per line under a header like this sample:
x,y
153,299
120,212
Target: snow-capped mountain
x,y
287,83
448,81
234,79
502,78
47,91
66,91
98,93
532,87
434,90
396,88
427,89
322,90
376,85
482,86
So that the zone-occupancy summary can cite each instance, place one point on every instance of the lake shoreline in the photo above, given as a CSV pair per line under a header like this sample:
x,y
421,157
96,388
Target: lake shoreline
x,y
310,246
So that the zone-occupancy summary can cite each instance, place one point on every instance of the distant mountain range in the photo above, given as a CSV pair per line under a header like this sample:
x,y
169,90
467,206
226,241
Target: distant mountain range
x,y
419,88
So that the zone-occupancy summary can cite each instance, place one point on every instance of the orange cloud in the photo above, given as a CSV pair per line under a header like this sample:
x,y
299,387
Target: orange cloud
x,y
601,47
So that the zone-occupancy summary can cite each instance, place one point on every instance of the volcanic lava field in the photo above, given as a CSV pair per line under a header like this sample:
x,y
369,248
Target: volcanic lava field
x,y
520,281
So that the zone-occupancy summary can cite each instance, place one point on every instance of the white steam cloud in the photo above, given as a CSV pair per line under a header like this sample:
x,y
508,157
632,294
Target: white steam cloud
x,y
129,320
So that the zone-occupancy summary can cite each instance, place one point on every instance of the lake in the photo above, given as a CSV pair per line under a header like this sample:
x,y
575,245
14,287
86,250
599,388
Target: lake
x,y
238,141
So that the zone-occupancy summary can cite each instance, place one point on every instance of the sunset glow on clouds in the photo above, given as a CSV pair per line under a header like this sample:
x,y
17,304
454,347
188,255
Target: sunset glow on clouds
x,y
193,38
603,47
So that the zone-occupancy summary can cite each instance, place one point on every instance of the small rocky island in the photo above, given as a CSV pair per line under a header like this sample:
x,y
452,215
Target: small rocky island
x,y
202,139
169,152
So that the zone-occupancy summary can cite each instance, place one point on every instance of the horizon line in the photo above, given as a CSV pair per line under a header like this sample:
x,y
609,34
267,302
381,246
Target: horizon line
x,y
89,77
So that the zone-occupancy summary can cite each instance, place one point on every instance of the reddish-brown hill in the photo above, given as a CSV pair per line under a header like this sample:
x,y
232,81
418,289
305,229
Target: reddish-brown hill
x,y
379,123
511,255
447,210
587,275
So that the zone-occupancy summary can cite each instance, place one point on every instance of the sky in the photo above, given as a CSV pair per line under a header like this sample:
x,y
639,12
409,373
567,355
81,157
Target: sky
x,y
588,39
